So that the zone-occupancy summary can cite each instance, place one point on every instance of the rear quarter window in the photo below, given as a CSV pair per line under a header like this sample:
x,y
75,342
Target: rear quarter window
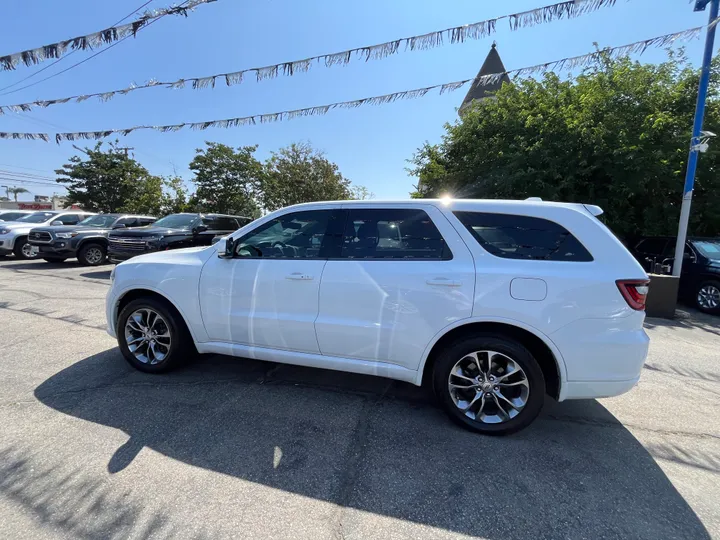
x,y
513,236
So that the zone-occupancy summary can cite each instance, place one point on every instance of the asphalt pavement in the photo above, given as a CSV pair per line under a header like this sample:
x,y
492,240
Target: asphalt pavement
x,y
229,448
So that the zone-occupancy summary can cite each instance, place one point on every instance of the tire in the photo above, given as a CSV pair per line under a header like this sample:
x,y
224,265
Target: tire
x,y
92,254
491,397
707,297
54,259
21,249
181,347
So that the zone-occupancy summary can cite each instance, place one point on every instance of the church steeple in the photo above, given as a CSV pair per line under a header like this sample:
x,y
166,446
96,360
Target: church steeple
x,y
477,92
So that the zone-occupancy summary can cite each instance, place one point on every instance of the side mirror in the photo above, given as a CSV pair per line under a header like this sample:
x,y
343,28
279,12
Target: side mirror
x,y
119,226
56,224
200,229
229,251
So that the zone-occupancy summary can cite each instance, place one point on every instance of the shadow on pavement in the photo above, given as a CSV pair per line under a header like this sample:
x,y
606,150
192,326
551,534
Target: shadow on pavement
x,y
687,318
378,446
97,274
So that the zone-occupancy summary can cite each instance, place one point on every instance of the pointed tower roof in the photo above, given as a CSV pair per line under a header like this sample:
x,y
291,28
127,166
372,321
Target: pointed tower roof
x,y
492,64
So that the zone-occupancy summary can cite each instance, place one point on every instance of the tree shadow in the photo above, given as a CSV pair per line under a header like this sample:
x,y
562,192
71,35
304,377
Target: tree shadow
x,y
380,446
688,319
69,500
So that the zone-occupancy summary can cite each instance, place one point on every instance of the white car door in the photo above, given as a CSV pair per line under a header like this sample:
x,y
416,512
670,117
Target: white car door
x,y
403,275
267,295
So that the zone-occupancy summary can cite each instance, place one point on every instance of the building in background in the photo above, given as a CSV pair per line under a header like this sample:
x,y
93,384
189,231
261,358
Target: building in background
x,y
41,202
478,92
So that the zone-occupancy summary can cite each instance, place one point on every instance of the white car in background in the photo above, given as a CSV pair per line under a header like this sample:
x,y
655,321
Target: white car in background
x,y
492,304
14,234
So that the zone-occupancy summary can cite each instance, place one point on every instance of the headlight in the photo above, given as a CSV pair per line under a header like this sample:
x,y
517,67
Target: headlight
x,y
4,231
65,234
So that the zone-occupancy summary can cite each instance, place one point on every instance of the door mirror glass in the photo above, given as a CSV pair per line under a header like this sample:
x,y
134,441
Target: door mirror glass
x,y
57,223
200,229
119,226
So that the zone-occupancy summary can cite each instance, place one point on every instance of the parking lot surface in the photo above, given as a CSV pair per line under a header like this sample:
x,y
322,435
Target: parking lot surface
x,y
229,448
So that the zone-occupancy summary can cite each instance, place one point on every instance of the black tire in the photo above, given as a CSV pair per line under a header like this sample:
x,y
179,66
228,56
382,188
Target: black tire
x,y
20,243
54,259
710,288
87,256
181,348
508,348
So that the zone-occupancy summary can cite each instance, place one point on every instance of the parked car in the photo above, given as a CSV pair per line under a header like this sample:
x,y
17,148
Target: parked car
x,y
700,275
87,240
171,232
14,234
492,304
12,215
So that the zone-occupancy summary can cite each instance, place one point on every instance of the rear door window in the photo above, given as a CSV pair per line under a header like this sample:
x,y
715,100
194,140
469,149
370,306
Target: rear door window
x,y
393,233
652,246
523,237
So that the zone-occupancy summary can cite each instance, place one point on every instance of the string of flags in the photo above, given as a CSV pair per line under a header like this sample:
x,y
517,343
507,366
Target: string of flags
x,y
94,40
458,34
569,63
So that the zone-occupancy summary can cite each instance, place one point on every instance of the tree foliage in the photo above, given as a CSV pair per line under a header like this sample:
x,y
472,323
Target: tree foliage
x,y
227,179
616,136
104,180
15,191
297,174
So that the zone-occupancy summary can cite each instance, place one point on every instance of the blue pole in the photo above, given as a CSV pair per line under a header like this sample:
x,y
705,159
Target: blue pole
x,y
695,140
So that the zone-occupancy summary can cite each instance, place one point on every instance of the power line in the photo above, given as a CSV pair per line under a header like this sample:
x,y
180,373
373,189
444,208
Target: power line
x,y
71,52
25,175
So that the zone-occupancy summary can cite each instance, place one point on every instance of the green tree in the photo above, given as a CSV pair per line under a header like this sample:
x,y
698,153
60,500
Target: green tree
x,y
298,174
227,179
105,180
616,136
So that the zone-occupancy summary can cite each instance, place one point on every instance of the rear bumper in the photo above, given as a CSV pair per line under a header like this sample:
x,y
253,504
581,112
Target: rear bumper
x,y
603,357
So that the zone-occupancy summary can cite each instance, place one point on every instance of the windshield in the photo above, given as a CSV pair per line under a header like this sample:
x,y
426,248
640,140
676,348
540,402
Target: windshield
x,y
177,221
708,248
37,217
98,221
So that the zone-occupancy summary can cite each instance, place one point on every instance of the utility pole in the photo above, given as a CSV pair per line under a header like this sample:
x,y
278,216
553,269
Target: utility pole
x,y
695,142
7,192
126,149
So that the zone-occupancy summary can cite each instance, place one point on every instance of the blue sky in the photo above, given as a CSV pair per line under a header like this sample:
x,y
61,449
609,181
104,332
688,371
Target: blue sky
x,y
370,144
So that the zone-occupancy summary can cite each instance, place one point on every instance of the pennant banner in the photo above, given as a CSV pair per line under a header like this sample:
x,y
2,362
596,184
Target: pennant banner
x,y
458,34
91,41
571,62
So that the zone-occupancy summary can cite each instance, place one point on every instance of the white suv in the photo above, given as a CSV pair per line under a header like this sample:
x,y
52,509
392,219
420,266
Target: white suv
x,y
492,304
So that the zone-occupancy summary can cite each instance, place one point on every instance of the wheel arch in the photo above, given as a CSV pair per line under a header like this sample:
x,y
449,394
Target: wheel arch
x,y
92,240
539,345
133,294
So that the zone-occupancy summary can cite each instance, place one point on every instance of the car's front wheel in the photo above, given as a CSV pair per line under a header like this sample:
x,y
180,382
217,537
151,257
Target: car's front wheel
x,y
489,384
92,254
152,336
707,298
24,250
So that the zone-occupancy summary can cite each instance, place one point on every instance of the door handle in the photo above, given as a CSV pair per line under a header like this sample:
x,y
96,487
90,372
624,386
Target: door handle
x,y
299,276
444,282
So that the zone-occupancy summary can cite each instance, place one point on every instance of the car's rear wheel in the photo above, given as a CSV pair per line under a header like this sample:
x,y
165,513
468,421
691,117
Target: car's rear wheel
x,y
92,254
707,297
24,250
152,336
489,384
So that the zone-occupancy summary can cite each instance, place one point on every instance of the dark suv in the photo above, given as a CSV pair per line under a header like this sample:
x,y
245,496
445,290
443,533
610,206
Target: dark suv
x,y
172,232
87,240
700,276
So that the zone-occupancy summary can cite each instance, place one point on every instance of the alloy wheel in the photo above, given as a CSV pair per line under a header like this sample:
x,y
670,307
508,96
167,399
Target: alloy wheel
x,y
488,387
708,296
29,251
147,336
93,255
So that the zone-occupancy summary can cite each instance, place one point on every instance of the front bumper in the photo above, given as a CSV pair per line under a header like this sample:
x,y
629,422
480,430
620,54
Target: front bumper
x,y
117,256
7,244
57,248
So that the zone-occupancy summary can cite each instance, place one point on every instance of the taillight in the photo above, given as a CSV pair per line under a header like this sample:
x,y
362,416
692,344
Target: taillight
x,y
634,291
